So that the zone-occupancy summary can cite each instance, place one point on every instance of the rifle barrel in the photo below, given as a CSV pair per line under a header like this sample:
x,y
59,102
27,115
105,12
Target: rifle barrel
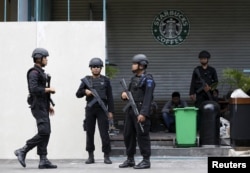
x,y
50,99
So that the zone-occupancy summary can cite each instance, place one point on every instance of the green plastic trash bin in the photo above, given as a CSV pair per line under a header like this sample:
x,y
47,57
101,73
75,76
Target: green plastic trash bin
x,y
186,131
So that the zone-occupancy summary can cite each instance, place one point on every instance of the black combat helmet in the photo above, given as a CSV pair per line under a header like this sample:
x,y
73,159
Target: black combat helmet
x,y
140,59
95,62
204,54
39,53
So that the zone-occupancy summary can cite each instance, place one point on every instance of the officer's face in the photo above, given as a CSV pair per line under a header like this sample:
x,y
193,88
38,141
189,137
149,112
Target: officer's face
x,y
137,68
176,100
204,61
96,70
44,61
41,61
134,67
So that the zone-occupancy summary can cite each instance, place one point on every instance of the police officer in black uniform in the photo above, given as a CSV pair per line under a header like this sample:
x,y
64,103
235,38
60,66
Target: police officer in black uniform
x,y
204,80
142,88
41,108
95,112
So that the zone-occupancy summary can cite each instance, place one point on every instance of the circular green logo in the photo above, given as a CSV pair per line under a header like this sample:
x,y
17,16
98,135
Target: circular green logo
x,y
170,27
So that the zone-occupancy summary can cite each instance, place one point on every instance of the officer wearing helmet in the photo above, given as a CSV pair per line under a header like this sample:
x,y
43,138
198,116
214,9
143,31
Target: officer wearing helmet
x,y
142,87
41,108
94,112
39,53
204,80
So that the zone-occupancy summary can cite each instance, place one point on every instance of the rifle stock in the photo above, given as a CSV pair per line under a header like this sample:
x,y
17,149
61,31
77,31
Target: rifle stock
x,y
96,97
131,101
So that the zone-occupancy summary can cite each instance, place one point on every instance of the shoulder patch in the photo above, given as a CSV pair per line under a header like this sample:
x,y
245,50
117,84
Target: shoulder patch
x,y
149,82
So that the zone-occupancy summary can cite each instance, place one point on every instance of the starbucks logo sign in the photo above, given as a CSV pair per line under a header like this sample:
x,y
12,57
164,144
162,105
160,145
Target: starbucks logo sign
x,y
170,27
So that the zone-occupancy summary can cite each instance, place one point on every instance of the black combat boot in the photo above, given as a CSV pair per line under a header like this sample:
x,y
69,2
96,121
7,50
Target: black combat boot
x,y
45,163
21,154
90,159
107,159
130,162
144,164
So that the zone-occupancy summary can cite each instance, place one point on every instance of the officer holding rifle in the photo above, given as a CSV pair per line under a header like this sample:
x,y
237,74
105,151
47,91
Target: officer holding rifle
x,y
100,108
137,127
204,80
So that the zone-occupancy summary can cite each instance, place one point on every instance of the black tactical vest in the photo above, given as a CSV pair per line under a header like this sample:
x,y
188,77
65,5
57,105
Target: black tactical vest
x,y
137,88
100,85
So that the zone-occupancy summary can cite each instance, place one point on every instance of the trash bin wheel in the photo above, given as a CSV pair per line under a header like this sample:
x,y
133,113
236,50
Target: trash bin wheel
x,y
197,141
174,142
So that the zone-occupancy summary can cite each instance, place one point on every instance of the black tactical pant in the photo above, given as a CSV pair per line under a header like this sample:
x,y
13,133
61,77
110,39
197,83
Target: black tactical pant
x,y
93,114
133,134
41,139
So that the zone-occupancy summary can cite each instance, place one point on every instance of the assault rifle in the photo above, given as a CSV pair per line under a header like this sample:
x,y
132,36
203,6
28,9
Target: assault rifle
x,y
50,99
96,97
131,101
204,84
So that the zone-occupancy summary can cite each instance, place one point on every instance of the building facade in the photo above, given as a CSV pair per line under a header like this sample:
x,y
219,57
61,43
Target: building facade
x,y
220,27
171,33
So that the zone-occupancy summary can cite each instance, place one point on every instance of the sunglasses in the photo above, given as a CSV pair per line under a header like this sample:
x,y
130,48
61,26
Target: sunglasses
x,y
96,66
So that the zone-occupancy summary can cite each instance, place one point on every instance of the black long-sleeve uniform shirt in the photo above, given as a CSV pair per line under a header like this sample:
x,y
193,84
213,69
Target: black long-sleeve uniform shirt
x,y
209,75
37,80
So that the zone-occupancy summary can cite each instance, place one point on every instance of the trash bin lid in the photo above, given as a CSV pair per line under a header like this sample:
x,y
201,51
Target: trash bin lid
x,y
186,108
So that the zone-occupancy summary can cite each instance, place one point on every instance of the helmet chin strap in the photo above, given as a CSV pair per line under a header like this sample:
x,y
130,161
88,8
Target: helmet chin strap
x,y
40,63
134,71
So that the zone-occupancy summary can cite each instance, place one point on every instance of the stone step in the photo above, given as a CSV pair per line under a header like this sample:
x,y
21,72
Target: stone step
x,y
164,144
171,151
153,143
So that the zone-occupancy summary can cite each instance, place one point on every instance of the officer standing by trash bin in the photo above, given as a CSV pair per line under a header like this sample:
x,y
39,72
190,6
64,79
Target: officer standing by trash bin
x,y
204,80
95,111
41,108
142,87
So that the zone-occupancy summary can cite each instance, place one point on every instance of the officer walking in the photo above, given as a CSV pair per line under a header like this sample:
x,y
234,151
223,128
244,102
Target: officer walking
x,y
142,87
41,108
204,80
94,111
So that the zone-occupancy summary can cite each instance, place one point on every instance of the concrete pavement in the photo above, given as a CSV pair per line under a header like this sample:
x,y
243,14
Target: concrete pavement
x,y
158,164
